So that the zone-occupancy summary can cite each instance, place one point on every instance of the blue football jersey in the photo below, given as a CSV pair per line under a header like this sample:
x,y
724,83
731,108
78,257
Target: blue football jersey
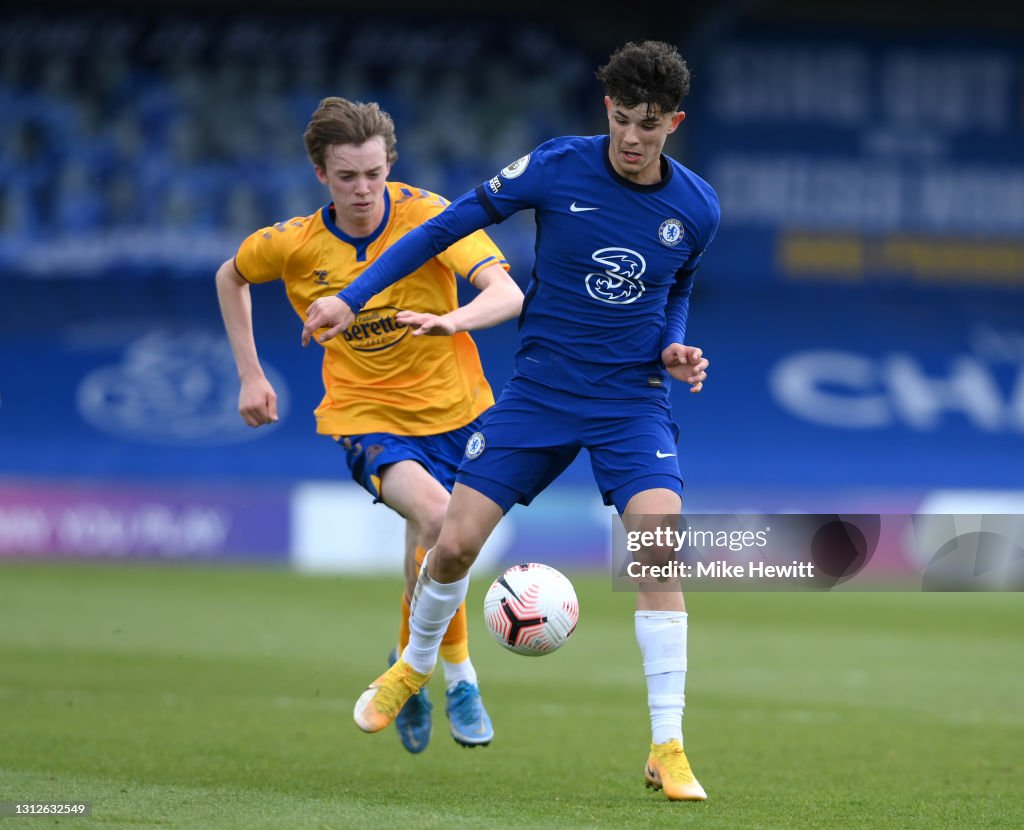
x,y
608,252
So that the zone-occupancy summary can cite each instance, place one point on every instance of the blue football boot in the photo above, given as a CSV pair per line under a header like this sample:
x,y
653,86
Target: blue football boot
x,y
471,725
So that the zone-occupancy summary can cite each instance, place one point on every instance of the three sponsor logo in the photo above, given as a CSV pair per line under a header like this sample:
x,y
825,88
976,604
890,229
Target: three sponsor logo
x,y
619,283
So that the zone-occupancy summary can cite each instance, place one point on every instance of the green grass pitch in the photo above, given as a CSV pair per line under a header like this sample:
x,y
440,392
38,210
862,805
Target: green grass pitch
x,y
213,698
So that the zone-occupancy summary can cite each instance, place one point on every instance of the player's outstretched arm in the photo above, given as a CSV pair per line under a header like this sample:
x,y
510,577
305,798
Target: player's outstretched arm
x,y
463,216
459,219
257,400
500,299
686,363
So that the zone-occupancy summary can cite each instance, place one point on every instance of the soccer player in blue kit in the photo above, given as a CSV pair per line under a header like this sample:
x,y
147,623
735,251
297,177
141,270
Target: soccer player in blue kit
x,y
621,229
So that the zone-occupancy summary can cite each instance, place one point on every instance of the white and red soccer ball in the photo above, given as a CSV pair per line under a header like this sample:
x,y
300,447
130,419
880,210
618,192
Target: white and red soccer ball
x,y
531,609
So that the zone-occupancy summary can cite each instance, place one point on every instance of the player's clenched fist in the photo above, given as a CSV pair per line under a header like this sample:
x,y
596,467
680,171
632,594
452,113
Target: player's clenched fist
x,y
331,313
257,402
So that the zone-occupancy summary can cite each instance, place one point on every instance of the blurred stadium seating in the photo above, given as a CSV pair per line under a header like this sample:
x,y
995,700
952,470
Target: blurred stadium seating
x,y
155,143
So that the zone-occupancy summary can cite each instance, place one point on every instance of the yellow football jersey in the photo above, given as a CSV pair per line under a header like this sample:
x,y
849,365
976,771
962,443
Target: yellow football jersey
x,y
377,377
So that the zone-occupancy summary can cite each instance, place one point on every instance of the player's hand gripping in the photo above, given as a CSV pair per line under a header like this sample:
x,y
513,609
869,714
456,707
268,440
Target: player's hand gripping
x,y
686,363
426,323
331,313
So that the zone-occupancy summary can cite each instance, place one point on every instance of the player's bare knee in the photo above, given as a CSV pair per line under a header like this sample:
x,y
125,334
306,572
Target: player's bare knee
x,y
451,560
429,528
426,518
656,534
655,555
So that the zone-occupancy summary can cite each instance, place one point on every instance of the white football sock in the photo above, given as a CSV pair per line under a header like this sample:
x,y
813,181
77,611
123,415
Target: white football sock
x,y
433,606
662,639
455,673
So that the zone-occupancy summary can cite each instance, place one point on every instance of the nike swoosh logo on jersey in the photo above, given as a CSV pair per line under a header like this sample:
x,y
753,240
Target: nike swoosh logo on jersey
x,y
661,454
576,209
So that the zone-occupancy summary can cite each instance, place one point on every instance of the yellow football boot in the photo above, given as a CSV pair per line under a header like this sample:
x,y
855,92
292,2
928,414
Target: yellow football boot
x,y
667,769
380,704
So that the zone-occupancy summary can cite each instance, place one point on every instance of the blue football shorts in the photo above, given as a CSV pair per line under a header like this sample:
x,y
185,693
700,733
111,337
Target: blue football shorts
x,y
528,438
439,454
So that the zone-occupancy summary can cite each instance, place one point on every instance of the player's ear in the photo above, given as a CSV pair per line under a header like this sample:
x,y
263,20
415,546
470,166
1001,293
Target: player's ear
x,y
321,174
608,105
677,119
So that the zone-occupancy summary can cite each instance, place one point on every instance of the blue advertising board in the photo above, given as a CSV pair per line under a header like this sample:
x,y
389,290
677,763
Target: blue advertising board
x,y
858,158
826,388
813,387
137,381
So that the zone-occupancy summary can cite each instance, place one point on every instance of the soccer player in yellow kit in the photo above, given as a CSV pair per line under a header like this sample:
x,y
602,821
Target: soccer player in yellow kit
x,y
400,404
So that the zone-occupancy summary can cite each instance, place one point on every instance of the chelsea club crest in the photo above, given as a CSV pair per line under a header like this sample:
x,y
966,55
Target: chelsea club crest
x,y
671,232
475,445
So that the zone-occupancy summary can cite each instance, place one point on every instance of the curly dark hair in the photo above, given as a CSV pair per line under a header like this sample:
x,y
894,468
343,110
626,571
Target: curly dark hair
x,y
651,73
